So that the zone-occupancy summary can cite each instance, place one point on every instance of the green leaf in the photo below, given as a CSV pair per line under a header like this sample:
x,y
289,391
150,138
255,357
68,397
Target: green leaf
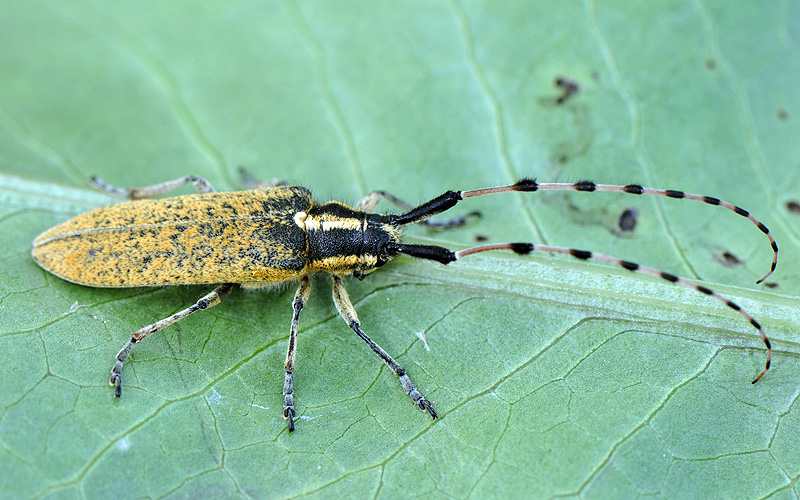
x,y
551,376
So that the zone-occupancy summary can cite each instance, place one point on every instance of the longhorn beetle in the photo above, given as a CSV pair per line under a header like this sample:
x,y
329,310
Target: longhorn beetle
x,y
276,233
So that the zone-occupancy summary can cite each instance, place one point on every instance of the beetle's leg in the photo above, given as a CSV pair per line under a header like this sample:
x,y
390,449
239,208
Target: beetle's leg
x,y
348,313
300,299
202,185
370,201
210,300
251,182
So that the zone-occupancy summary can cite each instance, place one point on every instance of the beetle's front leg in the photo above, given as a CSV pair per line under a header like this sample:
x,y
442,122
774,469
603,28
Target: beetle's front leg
x,y
210,300
348,313
300,299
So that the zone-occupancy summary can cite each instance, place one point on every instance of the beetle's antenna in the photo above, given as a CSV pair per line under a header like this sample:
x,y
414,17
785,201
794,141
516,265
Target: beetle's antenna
x,y
445,256
449,199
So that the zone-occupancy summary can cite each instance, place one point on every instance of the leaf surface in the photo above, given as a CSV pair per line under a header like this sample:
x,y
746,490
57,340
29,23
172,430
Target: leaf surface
x,y
551,376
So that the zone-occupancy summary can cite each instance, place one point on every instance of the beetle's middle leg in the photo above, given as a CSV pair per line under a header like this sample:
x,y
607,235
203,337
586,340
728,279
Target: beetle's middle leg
x,y
202,185
300,299
251,182
348,313
210,300
370,201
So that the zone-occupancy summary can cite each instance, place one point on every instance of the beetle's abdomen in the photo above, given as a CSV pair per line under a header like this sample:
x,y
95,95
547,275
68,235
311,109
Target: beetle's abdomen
x,y
246,236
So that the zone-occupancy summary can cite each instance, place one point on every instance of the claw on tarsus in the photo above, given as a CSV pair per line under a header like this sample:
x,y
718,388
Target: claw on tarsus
x,y
426,405
289,415
116,382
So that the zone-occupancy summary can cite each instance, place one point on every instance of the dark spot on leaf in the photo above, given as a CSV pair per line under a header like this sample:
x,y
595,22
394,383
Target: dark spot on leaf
x,y
730,259
627,220
569,88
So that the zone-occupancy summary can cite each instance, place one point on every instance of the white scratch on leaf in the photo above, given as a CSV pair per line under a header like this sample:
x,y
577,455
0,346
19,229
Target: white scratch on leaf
x,y
421,335
215,397
124,444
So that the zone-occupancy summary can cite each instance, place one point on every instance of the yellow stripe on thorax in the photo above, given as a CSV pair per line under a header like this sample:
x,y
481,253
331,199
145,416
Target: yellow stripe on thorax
x,y
341,263
328,222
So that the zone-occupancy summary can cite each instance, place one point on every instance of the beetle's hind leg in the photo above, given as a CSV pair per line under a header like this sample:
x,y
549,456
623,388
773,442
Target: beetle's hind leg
x,y
370,201
348,313
202,185
210,300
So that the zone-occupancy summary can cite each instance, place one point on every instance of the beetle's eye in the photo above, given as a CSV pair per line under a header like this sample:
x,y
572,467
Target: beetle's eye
x,y
383,255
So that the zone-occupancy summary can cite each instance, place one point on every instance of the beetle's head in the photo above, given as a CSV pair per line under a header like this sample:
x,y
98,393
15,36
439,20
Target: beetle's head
x,y
380,240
